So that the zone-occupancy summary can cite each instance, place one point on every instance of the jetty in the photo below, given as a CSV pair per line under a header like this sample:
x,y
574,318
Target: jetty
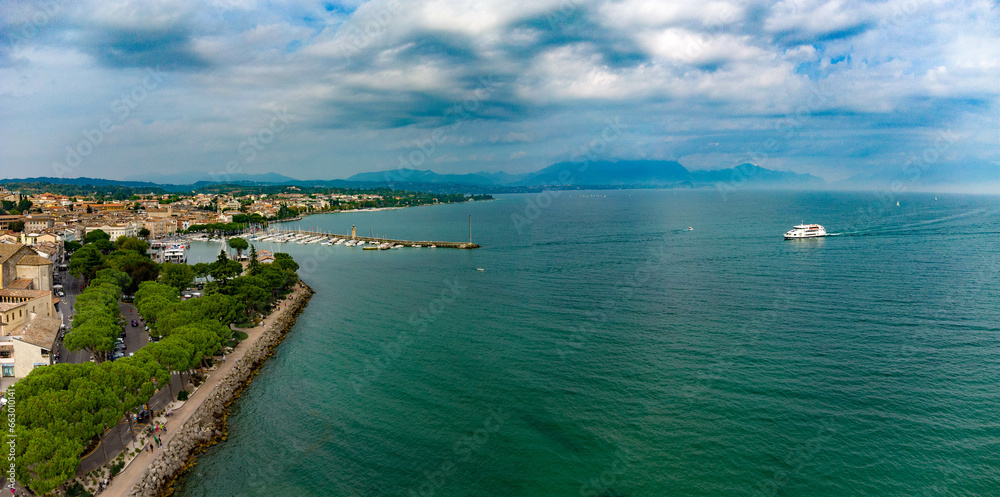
x,y
366,239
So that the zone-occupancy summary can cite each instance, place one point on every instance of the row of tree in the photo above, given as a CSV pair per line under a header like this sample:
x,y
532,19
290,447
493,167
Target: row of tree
x,y
63,408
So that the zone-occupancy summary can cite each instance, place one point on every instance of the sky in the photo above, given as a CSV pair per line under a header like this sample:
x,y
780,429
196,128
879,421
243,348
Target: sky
x,y
126,89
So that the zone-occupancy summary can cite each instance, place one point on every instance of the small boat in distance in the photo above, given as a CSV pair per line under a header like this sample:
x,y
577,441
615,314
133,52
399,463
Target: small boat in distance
x,y
805,231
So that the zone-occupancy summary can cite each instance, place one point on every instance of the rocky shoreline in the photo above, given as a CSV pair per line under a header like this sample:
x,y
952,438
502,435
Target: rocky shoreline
x,y
207,424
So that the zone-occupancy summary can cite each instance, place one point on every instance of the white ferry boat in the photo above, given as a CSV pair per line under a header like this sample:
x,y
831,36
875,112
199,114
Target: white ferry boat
x,y
805,231
176,254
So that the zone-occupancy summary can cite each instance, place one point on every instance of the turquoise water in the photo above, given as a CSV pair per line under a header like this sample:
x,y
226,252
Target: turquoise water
x,y
604,349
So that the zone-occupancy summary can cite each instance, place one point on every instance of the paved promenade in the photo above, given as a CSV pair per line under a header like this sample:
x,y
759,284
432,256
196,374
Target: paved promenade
x,y
123,483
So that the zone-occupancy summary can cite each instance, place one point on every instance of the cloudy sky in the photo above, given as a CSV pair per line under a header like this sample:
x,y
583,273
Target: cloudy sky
x,y
319,90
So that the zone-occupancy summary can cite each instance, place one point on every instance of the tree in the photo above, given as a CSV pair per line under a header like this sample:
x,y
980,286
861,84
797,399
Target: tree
x,y
71,245
114,276
144,233
152,299
132,243
285,261
85,262
202,338
251,291
175,354
95,235
239,244
17,226
96,335
138,266
178,276
253,267
105,246
223,268
202,270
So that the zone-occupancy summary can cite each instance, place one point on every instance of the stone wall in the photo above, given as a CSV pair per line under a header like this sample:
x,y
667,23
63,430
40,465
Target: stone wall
x,y
207,422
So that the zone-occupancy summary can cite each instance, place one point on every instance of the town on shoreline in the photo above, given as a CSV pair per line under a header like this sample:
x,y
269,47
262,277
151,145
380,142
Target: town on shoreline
x,y
101,345
50,213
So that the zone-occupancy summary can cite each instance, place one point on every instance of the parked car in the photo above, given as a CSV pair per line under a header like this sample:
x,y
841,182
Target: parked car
x,y
142,416
135,323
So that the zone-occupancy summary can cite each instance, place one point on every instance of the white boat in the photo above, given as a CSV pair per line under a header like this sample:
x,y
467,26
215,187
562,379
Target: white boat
x,y
805,231
341,241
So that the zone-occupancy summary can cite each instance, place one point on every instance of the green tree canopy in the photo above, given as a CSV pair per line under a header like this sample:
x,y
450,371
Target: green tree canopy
x,y
132,243
96,235
84,262
138,267
223,268
179,276
239,244
285,261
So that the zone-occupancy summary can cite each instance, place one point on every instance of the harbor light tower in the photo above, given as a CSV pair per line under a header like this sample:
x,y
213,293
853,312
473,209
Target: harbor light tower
x,y
353,232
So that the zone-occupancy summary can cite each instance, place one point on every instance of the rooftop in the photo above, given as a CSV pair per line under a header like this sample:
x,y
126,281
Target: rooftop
x,y
41,331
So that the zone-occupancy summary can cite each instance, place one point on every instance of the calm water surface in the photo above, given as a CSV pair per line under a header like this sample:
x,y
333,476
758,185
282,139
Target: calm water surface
x,y
606,350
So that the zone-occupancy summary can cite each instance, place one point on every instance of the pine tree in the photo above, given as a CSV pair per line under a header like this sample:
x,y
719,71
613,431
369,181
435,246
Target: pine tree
x,y
253,268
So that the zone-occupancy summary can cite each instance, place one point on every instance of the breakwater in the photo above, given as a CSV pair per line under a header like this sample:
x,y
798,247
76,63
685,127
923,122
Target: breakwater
x,y
405,243
207,423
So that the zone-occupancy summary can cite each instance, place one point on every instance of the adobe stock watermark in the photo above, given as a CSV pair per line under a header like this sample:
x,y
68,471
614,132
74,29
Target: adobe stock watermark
x,y
122,108
795,461
424,149
625,291
418,322
464,448
8,403
607,482
254,143
358,38
562,13
902,11
581,159
33,24
696,45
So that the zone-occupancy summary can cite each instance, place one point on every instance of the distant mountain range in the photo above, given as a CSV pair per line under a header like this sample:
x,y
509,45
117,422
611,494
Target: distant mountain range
x,y
198,177
952,176
632,173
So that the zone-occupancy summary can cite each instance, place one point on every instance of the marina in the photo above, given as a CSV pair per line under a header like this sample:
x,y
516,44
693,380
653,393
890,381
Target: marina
x,y
302,237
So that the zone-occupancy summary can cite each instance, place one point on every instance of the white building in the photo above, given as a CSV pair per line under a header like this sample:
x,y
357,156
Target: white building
x,y
115,231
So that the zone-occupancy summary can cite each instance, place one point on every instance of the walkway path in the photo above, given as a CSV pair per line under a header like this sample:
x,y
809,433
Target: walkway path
x,y
113,442
123,483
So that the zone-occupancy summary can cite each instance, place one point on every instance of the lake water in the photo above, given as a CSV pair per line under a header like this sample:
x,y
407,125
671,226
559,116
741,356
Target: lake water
x,y
606,350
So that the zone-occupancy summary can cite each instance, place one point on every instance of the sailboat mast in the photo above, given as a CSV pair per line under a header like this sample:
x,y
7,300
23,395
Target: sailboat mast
x,y
470,228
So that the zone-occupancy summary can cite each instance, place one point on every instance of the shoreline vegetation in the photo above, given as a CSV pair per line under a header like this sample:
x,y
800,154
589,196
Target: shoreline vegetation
x,y
206,421
64,410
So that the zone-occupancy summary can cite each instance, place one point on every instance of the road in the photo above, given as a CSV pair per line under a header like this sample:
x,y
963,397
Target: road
x,y
72,286
135,336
